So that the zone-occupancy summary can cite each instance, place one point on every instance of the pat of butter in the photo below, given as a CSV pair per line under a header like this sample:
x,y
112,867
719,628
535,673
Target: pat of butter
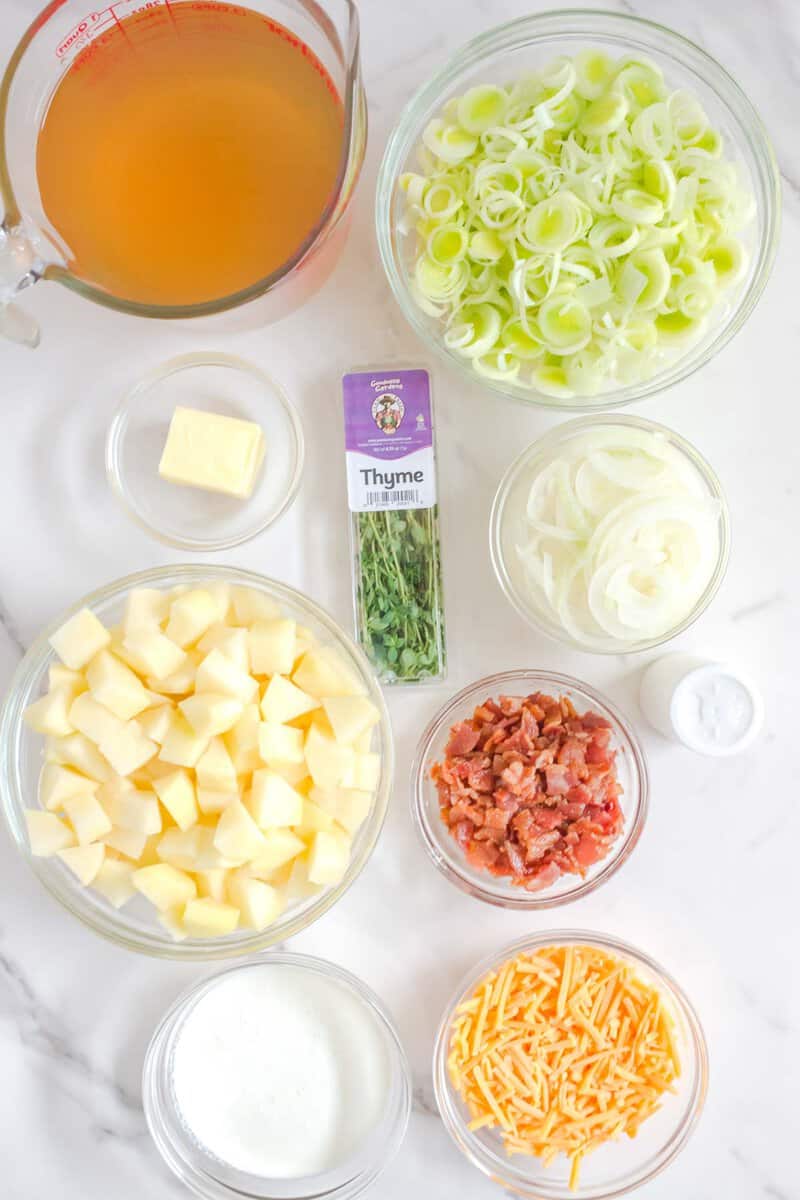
x,y
206,450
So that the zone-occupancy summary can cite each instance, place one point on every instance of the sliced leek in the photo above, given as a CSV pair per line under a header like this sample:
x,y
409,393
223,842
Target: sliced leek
x,y
576,229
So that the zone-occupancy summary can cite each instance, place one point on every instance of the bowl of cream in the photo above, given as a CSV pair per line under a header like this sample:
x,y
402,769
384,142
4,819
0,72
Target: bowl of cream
x,y
281,1077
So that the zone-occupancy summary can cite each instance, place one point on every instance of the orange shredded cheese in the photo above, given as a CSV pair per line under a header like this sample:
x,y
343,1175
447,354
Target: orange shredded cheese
x,y
562,1050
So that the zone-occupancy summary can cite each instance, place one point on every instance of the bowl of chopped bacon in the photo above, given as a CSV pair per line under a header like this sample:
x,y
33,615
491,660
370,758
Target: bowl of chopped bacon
x,y
529,789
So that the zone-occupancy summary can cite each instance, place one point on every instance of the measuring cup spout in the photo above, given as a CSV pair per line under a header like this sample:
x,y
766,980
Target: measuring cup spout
x,y
20,266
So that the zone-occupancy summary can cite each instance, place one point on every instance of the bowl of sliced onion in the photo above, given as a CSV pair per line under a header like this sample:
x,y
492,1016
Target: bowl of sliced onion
x,y
580,209
610,533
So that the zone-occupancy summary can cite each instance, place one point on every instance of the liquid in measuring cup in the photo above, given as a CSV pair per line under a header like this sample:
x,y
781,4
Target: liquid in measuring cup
x,y
188,152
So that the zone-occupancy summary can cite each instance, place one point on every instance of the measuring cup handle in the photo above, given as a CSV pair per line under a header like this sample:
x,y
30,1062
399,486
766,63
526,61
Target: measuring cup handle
x,y
19,268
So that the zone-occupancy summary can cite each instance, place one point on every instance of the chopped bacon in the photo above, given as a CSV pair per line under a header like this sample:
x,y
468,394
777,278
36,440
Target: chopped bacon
x,y
528,788
463,738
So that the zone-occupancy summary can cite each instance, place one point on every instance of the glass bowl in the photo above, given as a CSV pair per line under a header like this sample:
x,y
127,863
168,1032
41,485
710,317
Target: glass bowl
x,y
507,527
206,1175
442,847
134,926
612,1169
188,517
504,53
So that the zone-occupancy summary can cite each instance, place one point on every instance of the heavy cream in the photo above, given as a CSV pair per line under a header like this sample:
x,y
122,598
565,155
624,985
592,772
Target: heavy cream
x,y
281,1072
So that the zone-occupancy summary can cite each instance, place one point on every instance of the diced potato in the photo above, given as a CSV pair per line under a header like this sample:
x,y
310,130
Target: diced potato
x,y
116,686
50,713
180,847
57,784
145,608
304,641
213,883
93,719
283,701
280,847
172,921
115,785
84,861
314,820
59,676
135,810
258,903
182,681
222,595
328,762
211,801
87,817
182,746
250,606
298,885
77,751
326,798
210,858
366,773
294,773
211,714
114,880
231,642
350,716
79,639
328,857
237,836
215,770
219,674
242,741
176,792
207,918
353,808
272,646
363,743
156,723
280,743
128,749
151,653
164,886
323,672
47,833
190,615
273,803
126,842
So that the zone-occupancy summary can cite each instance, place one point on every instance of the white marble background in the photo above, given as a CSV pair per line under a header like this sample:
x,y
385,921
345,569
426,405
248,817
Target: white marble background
x,y
712,890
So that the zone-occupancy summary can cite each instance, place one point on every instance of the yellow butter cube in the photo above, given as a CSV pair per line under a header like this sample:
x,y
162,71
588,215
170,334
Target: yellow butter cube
x,y
206,450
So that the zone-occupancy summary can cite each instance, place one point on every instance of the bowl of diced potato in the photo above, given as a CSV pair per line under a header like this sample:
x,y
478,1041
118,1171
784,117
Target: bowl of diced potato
x,y
196,761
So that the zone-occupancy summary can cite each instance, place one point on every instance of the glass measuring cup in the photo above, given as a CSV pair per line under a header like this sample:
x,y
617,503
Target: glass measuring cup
x,y
29,245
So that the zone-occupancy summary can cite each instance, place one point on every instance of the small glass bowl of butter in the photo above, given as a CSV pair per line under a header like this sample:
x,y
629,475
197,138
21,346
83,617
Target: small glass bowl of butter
x,y
205,452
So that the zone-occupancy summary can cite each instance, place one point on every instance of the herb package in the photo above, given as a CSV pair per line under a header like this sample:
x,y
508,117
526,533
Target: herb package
x,y
391,474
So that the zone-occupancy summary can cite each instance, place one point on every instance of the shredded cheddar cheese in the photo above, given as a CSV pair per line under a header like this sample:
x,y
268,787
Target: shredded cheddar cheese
x,y
561,1050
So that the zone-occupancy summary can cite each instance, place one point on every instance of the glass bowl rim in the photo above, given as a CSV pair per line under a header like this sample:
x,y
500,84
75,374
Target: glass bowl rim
x,y
545,443
155,1064
520,900
447,1102
544,26
106,923
118,428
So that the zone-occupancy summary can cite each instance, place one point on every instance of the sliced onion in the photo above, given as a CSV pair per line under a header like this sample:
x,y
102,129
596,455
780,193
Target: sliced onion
x,y
632,538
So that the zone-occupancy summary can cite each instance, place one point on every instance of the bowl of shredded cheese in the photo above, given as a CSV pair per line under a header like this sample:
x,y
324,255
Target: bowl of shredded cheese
x,y
578,210
570,1064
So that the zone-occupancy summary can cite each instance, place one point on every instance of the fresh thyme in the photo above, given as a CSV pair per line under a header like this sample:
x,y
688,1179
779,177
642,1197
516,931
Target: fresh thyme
x,y
399,593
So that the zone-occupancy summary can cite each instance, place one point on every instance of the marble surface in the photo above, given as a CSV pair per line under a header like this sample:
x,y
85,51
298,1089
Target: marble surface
x,y
712,890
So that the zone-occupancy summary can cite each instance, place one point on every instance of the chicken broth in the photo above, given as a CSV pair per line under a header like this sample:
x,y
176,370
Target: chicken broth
x,y
209,148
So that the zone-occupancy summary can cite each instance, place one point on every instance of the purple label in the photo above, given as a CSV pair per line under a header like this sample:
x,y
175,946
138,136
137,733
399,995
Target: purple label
x,y
387,414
